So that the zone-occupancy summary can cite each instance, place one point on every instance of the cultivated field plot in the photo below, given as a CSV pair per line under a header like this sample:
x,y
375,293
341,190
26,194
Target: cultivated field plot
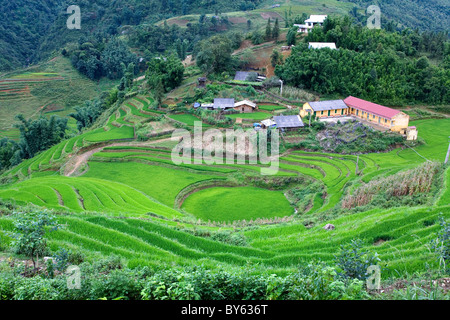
x,y
54,87
142,182
270,107
187,119
229,204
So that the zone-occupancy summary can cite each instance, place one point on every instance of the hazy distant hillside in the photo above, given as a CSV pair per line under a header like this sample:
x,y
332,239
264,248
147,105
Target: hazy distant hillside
x,y
427,15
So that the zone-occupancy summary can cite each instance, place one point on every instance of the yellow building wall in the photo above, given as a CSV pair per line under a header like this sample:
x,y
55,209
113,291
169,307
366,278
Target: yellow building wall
x,y
401,122
322,114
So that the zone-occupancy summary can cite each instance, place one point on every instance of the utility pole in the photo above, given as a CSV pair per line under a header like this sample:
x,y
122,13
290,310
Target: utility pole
x,y
281,88
448,151
357,167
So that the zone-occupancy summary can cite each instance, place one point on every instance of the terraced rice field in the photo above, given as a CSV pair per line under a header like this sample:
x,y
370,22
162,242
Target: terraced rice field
x,y
229,204
54,87
270,108
142,186
187,119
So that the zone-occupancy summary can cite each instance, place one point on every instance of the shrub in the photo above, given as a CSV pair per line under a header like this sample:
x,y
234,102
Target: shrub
x,y
123,284
441,244
233,238
353,260
30,229
62,259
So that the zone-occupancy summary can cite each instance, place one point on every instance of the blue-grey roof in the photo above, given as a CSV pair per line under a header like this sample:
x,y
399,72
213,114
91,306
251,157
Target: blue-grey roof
x,y
223,103
288,121
241,75
328,105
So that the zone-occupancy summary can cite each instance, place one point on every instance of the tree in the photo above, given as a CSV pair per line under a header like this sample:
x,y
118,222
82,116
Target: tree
x,y
112,57
247,57
159,92
276,30
8,149
257,37
169,70
268,31
291,36
249,24
30,229
41,134
276,58
214,54
87,114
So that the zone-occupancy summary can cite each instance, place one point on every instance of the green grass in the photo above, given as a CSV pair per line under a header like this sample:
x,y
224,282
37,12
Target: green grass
x,y
252,116
228,204
187,119
435,132
160,183
100,134
97,195
445,197
271,108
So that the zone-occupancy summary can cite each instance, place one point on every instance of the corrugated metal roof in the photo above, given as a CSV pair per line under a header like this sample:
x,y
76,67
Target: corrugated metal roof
x,y
371,107
288,121
328,105
223,103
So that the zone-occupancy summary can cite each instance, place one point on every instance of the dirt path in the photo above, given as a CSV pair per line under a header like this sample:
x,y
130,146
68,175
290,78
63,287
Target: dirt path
x,y
78,161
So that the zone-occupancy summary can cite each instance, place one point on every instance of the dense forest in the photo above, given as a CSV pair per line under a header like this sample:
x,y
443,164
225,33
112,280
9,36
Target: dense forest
x,y
31,30
426,15
388,67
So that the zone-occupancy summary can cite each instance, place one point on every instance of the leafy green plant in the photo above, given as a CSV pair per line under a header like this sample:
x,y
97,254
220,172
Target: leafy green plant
x,y
353,260
30,229
441,244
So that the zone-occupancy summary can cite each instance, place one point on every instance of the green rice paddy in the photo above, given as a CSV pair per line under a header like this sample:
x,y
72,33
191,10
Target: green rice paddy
x,y
141,186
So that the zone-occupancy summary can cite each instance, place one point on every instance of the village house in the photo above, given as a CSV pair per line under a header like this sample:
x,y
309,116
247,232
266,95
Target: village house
x,y
320,109
226,104
223,104
392,119
245,106
321,45
288,123
314,20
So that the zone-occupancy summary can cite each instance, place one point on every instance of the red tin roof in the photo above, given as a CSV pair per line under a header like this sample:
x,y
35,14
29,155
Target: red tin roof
x,y
371,107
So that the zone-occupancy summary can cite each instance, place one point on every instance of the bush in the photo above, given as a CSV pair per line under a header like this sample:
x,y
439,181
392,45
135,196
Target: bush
x,y
233,238
353,260
118,284
441,244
